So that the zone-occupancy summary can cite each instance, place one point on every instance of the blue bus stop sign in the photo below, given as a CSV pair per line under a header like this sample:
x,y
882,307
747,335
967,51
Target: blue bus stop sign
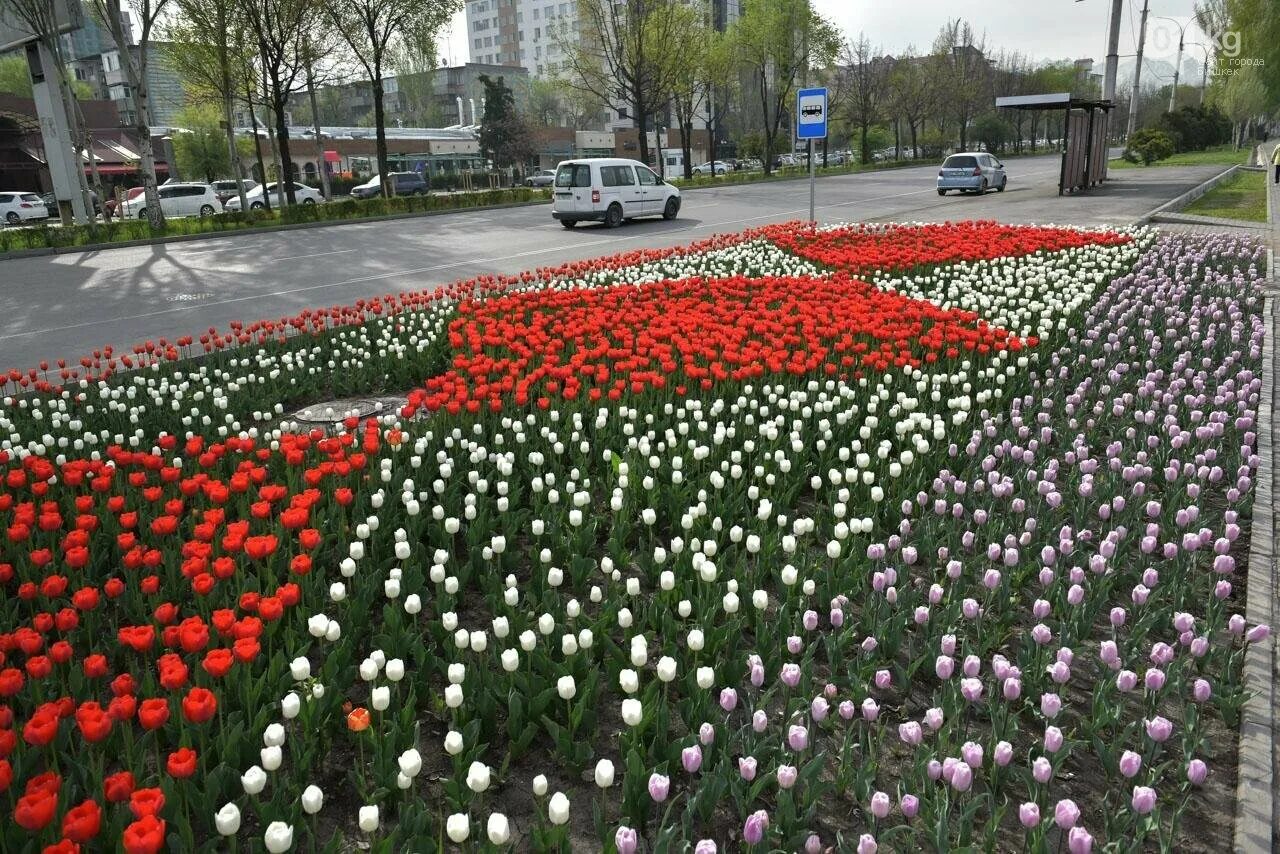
x,y
811,114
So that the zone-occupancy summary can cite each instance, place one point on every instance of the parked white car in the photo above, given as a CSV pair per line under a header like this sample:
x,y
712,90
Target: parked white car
x,y
177,199
610,190
302,195
17,206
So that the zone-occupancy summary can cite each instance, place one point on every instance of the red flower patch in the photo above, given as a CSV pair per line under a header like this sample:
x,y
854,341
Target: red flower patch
x,y
605,342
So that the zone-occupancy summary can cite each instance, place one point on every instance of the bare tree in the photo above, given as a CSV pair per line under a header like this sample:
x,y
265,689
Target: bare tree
x,y
868,75
912,94
621,54
371,28
966,81
279,28
147,14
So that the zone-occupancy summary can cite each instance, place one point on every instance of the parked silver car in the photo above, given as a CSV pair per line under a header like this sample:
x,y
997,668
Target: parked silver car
x,y
971,172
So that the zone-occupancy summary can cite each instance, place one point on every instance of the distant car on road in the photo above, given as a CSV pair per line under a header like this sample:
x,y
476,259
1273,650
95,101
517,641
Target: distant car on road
x,y
176,199
18,207
402,184
226,189
302,194
971,172
541,178
111,205
51,202
719,166
610,190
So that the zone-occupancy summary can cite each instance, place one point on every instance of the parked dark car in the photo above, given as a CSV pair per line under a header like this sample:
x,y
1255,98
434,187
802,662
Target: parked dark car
x,y
403,184
51,203
224,190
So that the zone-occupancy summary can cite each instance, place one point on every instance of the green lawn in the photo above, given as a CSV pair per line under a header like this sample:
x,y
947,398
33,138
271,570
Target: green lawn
x,y
1242,196
1222,155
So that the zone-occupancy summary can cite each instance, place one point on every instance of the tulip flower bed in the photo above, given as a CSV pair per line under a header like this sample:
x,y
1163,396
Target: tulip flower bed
x,y
910,537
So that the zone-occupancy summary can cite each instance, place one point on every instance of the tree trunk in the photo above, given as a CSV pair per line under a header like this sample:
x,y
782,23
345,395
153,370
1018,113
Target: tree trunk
x,y
136,77
770,131
321,166
864,130
380,131
282,140
897,139
275,160
262,166
915,146
224,69
642,126
686,148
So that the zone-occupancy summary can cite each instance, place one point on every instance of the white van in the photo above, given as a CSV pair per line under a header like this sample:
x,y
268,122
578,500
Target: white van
x,y
610,190
176,199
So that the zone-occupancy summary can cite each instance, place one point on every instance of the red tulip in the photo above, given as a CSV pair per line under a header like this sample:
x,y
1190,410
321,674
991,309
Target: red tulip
x,y
144,836
82,823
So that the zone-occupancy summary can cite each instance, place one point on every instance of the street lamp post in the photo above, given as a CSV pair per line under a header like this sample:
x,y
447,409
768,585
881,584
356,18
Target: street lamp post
x,y
1135,96
1177,66
1204,73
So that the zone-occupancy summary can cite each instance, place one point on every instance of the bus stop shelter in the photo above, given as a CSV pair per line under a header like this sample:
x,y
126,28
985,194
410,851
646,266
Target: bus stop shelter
x,y
1085,132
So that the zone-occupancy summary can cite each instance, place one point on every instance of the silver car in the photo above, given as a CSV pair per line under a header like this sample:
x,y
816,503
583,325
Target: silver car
x,y
971,172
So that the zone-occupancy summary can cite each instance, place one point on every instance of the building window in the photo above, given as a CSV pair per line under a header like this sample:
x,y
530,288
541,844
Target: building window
x,y
488,42
535,13
478,44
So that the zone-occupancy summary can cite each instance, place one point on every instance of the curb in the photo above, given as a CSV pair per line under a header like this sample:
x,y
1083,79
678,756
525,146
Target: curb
x,y
237,232
1193,219
1189,196
1256,814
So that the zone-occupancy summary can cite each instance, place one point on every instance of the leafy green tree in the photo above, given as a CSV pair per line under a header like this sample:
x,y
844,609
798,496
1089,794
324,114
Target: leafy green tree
x,y
14,78
201,149
374,29
1148,145
992,131
778,42
504,136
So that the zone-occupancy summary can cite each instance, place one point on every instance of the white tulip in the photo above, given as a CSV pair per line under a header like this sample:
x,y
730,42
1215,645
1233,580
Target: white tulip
x,y
227,820
254,780
290,706
566,687
368,670
632,712
706,678
279,837
540,785
629,680
453,742
453,696
368,818
604,773
558,809
478,777
457,673
412,603
499,829
273,735
410,762
395,670
458,827
312,799
317,626
272,757
666,668
510,660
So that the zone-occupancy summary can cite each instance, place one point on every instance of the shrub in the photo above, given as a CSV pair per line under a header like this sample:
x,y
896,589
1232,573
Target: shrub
x,y
1196,128
1149,145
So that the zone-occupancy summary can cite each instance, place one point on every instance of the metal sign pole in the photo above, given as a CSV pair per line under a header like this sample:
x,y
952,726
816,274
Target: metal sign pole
x,y
813,182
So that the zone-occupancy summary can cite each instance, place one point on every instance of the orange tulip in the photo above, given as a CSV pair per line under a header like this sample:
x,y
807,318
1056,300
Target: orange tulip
x,y
358,719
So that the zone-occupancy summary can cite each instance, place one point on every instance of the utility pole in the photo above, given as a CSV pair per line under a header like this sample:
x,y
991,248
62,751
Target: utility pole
x,y
1113,52
1137,72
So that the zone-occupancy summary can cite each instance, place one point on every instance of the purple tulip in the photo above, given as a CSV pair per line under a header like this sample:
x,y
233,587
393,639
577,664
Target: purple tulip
x,y
910,733
1012,689
813,844
747,767
1257,634
1143,800
972,666
1153,679
934,770
1079,841
1159,729
880,805
794,646
1126,680
707,734
753,830
1118,616
1029,814
870,709
867,844
1066,814
759,720
1060,673
797,737
1040,634
819,708
1130,763
659,787
971,689
790,675
1052,739
933,718
1050,705
962,777
971,753
910,805
1201,690
883,679
1196,772
626,841
948,645
846,709
787,776
1041,770
728,699
691,758
705,846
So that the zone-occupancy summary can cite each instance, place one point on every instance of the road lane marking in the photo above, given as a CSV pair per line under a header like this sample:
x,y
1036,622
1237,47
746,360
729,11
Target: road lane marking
x,y
310,255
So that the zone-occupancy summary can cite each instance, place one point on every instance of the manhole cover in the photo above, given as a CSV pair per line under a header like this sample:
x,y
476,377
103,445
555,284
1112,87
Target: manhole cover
x,y
336,410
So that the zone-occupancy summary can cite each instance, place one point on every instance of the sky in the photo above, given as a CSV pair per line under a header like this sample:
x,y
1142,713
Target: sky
x,y
1042,29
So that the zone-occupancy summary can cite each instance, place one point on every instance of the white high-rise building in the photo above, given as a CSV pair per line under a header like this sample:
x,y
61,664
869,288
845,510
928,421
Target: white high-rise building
x,y
531,33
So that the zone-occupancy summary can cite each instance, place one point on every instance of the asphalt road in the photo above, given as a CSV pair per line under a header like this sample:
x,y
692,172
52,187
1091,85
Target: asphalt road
x,y
67,305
